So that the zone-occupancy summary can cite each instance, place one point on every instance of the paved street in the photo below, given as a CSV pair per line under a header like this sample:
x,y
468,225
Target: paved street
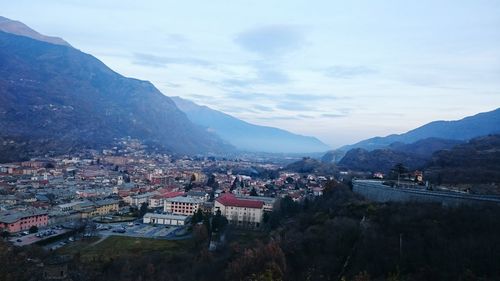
x,y
32,238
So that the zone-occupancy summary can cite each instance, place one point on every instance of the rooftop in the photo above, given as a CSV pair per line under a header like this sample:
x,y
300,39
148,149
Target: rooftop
x,y
230,200
13,216
183,199
165,216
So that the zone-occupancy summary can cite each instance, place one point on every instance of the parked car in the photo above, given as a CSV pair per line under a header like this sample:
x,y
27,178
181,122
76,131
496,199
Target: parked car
x,y
19,240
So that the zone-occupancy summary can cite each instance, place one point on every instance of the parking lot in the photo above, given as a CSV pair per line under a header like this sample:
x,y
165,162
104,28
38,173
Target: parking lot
x,y
139,230
20,240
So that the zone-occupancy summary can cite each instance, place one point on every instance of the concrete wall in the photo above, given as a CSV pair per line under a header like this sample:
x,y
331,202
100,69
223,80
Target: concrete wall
x,y
376,191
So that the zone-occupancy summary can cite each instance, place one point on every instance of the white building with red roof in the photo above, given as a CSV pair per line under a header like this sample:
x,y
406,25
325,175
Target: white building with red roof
x,y
240,212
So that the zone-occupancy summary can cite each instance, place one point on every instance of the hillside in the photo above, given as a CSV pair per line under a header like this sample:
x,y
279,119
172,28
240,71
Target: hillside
x,y
413,155
424,147
474,162
379,160
309,165
477,125
246,136
464,129
56,98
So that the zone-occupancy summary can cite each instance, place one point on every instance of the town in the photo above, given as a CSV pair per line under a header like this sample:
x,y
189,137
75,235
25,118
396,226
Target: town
x,y
127,191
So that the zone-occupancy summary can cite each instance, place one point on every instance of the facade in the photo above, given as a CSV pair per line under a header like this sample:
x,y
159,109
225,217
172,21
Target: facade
x,y
158,201
138,200
19,221
267,201
165,219
240,212
107,206
182,205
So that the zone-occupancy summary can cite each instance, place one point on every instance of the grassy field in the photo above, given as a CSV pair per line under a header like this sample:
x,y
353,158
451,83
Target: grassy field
x,y
115,246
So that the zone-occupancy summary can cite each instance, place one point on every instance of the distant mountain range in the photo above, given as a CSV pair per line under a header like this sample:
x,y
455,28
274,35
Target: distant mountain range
x,y
246,136
56,98
462,130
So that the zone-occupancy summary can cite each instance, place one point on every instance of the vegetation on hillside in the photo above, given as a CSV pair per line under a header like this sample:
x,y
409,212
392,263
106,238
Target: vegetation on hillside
x,y
339,236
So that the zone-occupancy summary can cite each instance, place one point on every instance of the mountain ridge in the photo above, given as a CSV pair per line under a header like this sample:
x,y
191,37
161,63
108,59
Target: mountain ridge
x,y
247,136
480,124
56,93
21,29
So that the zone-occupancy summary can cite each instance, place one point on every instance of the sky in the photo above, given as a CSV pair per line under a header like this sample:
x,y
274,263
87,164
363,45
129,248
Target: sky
x,y
341,71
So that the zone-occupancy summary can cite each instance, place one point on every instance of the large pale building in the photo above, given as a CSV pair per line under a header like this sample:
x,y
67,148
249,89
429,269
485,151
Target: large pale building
x,y
240,212
182,205
165,219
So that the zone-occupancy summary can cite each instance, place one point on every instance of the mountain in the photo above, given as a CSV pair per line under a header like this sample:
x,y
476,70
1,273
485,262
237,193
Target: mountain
x,y
19,28
56,98
379,160
413,156
464,129
424,147
246,136
311,165
474,162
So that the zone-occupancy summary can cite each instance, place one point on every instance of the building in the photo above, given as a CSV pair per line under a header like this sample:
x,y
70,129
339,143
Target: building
x,y
19,221
199,194
8,200
158,201
269,202
138,200
165,219
182,205
106,206
240,212
68,207
86,209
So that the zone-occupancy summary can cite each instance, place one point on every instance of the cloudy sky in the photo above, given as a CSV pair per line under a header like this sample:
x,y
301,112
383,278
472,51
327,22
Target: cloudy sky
x,y
338,70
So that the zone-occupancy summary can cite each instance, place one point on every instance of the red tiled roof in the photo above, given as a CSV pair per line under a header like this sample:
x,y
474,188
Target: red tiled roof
x,y
231,200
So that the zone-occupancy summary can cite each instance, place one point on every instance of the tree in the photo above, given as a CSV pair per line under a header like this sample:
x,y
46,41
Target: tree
x,y
218,221
33,229
143,210
399,169
5,234
197,217
288,207
212,181
236,183
253,192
